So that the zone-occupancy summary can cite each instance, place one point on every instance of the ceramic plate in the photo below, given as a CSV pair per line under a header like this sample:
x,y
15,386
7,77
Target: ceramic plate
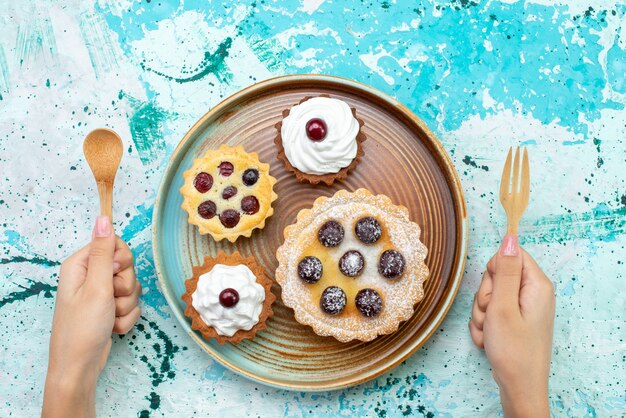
x,y
403,160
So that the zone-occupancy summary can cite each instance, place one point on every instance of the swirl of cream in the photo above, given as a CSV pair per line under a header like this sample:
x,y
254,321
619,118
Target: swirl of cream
x,y
335,151
206,299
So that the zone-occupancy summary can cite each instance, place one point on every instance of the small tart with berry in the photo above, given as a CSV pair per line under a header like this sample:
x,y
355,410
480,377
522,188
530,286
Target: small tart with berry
x,y
228,298
228,193
352,266
320,139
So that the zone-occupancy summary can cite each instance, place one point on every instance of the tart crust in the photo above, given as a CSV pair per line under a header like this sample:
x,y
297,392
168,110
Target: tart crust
x,y
399,295
329,178
263,190
234,259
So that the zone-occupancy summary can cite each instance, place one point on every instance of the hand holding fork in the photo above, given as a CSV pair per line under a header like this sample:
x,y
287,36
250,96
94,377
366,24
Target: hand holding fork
x,y
513,310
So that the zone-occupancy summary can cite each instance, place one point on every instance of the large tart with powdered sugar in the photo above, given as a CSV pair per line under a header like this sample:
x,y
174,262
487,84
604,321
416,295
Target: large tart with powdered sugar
x,y
352,266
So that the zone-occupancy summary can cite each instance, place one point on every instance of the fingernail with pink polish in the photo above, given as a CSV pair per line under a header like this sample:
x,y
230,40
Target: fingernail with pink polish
x,y
509,246
116,267
103,226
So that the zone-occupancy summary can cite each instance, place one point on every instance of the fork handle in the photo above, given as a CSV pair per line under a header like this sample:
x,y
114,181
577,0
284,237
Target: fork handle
x,y
511,227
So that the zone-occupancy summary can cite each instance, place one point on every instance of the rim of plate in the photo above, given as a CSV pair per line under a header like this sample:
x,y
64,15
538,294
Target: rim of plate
x,y
460,211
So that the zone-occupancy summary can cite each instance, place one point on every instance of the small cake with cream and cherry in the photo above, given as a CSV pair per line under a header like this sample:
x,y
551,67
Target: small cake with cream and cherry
x,y
228,298
320,139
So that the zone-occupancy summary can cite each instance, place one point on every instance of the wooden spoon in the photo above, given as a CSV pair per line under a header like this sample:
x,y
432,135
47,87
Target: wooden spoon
x,y
103,150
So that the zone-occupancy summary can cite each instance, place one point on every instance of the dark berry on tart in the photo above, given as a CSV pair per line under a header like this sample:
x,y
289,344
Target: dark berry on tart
x,y
351,263
250,205
226,168
368,302
333,300
228,192
368,230
250,177
229,218
330,234
203,182
207,209
391,264
310,269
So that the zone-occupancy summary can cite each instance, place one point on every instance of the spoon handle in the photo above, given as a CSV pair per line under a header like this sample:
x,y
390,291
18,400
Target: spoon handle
x,y
105,190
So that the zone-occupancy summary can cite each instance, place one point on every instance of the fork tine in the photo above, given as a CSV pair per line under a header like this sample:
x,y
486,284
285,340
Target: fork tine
x,y
515,188
525,189
506,177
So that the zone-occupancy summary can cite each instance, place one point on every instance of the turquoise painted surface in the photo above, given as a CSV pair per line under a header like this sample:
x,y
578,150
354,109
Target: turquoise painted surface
x,y
483,75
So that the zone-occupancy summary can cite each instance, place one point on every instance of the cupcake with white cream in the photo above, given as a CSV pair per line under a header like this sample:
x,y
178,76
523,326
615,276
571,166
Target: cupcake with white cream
x,y
228,298
320,139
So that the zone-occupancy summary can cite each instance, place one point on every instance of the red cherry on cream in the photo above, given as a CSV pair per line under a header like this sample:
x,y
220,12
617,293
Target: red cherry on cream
x,y
316,129
229,297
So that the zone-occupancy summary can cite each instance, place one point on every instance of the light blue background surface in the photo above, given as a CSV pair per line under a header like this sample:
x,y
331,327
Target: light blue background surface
x,y
484,75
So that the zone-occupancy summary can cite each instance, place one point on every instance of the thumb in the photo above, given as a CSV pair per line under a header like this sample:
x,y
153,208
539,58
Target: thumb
x,y
508,273
100,263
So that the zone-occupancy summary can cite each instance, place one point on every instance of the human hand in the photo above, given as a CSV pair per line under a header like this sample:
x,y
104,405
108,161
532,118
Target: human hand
x,y
512,319
96,296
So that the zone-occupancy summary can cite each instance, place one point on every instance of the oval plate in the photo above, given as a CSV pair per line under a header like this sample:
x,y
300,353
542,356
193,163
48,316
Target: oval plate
x,y
403,160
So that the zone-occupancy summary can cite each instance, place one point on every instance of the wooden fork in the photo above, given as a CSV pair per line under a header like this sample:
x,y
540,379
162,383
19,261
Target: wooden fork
x,y
514,193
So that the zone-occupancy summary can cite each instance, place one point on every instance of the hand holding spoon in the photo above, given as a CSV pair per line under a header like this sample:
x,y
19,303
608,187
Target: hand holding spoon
x,y
103,150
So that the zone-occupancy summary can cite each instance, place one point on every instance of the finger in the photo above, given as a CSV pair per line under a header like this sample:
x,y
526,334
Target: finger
x,y
484,292
124,283
123,324
123,257
125,304
491,266
530,265
77,261
536,287
73,271
100,263
478,316
532,273
508,274
82,255
477,335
